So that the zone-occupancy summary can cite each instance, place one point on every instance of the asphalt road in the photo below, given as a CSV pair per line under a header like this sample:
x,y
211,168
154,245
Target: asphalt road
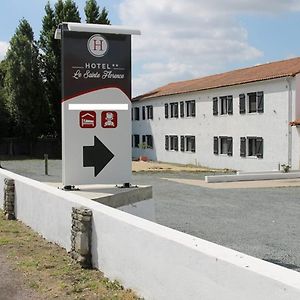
x,y
262,222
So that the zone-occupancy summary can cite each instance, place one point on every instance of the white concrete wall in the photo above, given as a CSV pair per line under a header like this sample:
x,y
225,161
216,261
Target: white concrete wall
x,y
272,125
157,262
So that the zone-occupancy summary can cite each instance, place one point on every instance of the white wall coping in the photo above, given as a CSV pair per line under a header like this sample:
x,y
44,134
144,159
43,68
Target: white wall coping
x,y
251,177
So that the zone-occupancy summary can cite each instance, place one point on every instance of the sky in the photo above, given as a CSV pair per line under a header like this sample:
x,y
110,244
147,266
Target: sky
x,y
184,39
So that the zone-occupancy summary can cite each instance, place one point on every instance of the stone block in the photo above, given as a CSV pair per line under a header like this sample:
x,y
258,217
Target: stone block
x,y
82,243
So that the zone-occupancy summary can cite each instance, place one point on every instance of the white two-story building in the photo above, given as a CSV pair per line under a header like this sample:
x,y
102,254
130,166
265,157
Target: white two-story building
x,y
237,120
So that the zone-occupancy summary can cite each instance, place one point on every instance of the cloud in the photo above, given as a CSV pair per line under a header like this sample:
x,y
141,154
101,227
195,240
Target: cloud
x,y
191,38
3,49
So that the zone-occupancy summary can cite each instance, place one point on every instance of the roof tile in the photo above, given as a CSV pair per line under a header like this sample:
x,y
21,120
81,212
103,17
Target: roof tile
x,y
272,70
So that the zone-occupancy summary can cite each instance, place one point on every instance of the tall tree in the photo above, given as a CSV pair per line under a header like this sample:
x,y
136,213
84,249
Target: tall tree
x,y
64,11
93,14
5,124
23,84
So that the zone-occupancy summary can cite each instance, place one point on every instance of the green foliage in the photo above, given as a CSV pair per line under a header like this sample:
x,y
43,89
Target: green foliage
x,y
93,14
30,76
64,11
103,19
5,120
23,87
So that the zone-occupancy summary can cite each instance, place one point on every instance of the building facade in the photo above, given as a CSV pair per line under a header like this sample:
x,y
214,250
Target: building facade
x,y
237,120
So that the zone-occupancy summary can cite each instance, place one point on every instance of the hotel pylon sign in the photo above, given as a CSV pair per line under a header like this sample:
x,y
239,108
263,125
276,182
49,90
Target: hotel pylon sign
x,y
96,103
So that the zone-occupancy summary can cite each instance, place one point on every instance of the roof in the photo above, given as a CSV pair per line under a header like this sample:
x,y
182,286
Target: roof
x,y
272,70
295,122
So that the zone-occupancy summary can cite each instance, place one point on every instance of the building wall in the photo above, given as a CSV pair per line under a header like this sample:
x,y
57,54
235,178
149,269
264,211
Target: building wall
x,y
271,125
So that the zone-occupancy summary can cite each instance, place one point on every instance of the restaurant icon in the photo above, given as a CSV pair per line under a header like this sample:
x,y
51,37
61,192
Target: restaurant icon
x,y
87,119
109,119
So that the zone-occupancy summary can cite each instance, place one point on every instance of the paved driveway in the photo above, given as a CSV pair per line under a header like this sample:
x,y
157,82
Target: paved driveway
x,y
262,222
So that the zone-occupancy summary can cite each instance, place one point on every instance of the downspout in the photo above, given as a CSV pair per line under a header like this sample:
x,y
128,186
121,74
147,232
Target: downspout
x,y
290,112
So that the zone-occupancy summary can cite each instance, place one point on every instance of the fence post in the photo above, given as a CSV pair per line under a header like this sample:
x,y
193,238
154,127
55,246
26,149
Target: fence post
x,y
46,163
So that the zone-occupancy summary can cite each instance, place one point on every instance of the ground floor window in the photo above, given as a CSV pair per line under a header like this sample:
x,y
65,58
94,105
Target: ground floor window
x,y
171,142
251,146
135,141
223,145
188,143
147,142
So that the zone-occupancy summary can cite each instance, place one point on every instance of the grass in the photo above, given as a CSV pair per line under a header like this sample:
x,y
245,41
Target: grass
x,y
50,271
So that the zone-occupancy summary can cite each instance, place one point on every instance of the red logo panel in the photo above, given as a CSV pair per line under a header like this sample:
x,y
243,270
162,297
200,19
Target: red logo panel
x,y
109,119
87,119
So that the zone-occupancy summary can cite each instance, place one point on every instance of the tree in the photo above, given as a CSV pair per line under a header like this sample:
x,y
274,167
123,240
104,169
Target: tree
x,y
64,11
5,127
93,15
23,84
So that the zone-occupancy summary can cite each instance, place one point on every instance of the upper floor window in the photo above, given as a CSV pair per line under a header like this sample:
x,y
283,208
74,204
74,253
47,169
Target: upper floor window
x,y
136,112
253,103
223,104
174,110
149,112
190,108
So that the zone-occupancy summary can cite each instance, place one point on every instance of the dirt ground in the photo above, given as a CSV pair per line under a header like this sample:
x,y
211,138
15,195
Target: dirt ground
x,y
140,166
12,282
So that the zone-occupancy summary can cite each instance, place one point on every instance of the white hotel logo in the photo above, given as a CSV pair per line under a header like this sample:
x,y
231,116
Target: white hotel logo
x,y
97,45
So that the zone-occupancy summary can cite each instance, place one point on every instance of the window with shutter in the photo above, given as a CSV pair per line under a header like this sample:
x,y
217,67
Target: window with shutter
x,y
230,105
149,112
166,110
190,108
193,108
216,145
181,143
136,138
143,113
149,141
176,143
223,105
166,142
193,142
252,103
137,113
259,147
243,147
229,147
181,109
260,102
215,106
242,104
174,110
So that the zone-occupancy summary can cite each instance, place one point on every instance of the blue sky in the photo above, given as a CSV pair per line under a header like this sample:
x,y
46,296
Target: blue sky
x,y
185,39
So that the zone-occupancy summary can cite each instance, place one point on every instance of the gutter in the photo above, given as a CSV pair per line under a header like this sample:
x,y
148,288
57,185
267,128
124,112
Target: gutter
x,y
290,112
